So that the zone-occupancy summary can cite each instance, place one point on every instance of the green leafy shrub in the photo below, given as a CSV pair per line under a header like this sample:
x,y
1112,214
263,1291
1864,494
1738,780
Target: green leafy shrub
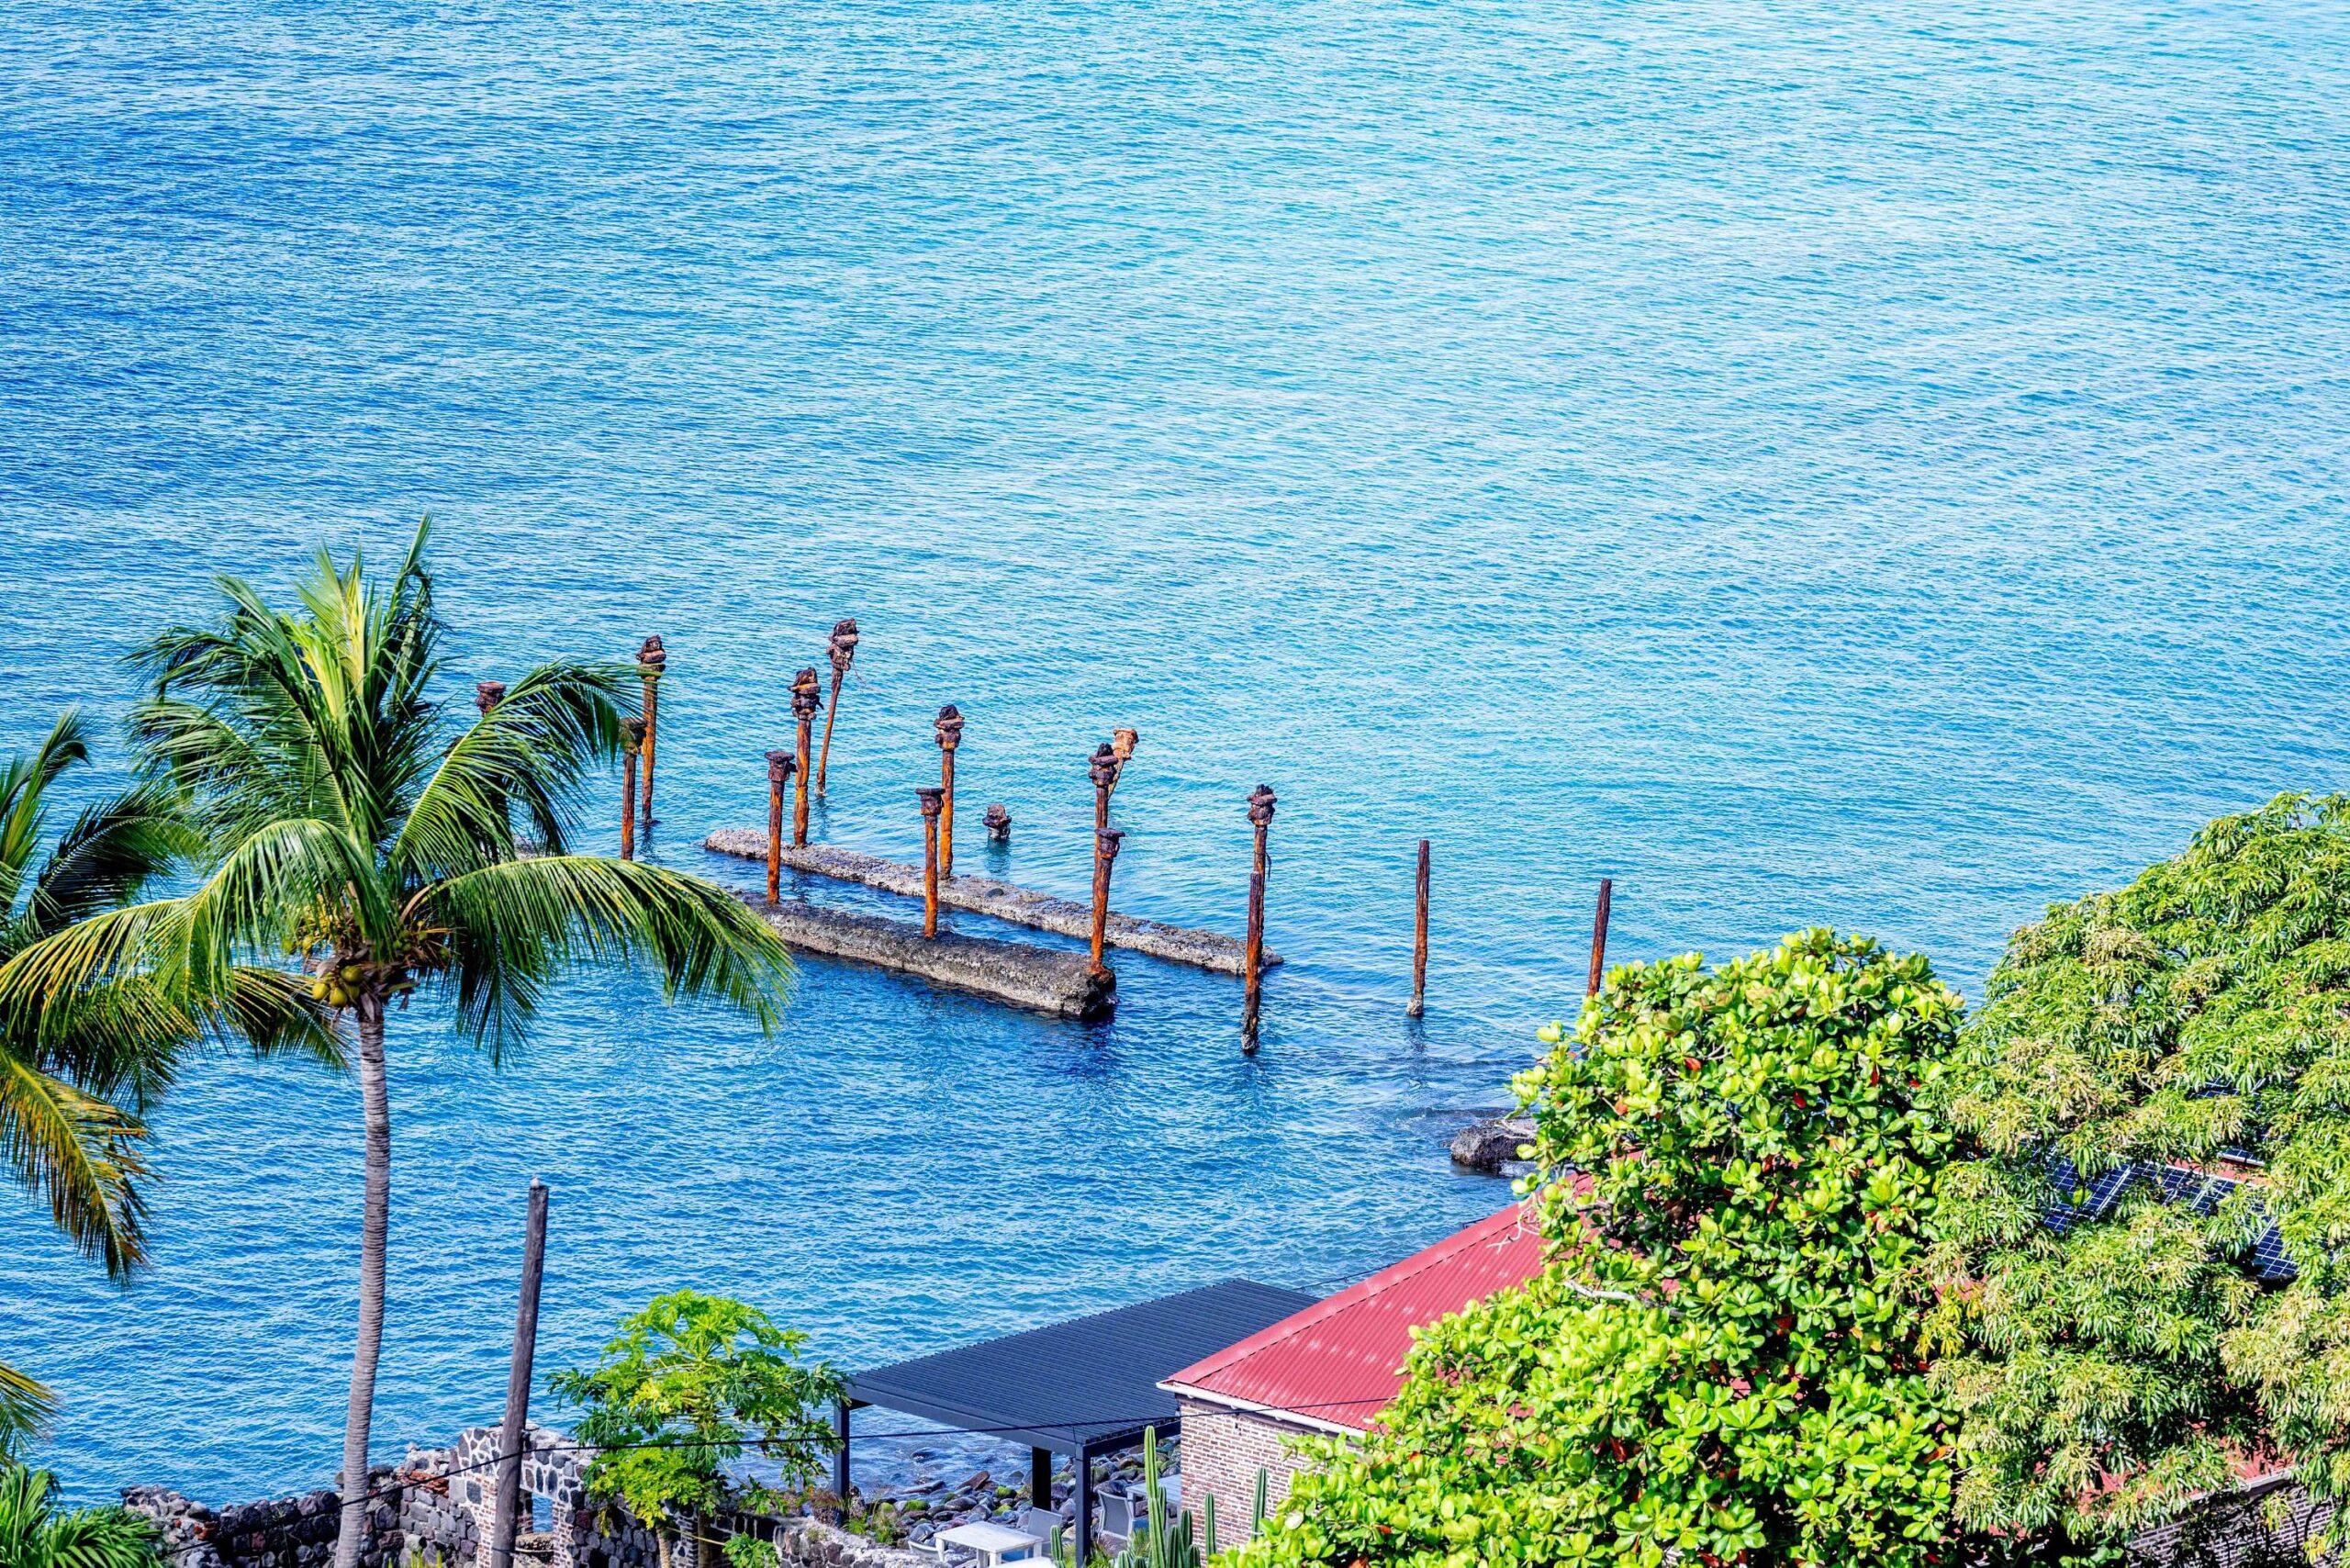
x,y
2111,1370
1720,1363
35,1534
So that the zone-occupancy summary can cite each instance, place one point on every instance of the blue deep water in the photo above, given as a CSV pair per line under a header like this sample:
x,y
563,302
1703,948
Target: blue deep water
x,y
1872,465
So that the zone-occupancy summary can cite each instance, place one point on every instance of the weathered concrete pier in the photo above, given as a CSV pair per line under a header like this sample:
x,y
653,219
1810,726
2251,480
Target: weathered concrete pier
x,y
1002,901
1044,978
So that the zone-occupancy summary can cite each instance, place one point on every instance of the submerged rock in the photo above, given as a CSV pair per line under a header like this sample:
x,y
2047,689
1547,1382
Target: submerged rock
x,y
1492,1146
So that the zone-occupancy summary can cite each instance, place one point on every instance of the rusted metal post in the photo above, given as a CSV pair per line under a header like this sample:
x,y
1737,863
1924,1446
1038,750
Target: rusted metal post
x,y
932,799
1599,938
1104,768
1420,941
635,730
1261,801
807,695
779,771
489,694
998,821
507,1510
844,653
1121,746
949,725
651,661
1105,850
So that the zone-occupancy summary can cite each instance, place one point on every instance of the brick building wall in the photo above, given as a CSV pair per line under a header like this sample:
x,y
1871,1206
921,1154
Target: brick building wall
x,y
1223,1450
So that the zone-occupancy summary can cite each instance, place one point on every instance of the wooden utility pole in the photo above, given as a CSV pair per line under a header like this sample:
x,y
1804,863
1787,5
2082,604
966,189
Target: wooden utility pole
x,y
635,730
651,661
843,653
807,695
1105,850
1599,938
489,694
1261,801
779,770
1420,941
931,797
949,725
508,1510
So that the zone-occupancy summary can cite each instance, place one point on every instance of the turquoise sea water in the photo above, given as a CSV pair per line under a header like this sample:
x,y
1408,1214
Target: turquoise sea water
x,y
1881,466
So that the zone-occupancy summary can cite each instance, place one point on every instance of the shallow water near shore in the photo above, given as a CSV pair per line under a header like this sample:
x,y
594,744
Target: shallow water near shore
x,y
1880,466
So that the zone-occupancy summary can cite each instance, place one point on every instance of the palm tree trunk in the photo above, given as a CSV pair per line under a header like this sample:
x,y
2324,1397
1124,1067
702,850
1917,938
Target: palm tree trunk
x,y
374,1095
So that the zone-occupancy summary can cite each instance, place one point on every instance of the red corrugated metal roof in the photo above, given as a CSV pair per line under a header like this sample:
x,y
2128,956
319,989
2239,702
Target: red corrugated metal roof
x,y
1340,1362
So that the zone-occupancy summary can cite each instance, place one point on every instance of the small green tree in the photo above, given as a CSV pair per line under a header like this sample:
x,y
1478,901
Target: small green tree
x,y
1720,1365
690,1383
35,1534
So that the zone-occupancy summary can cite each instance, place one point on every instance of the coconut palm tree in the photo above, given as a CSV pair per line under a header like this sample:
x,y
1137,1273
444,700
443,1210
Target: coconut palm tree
x,y
78,1069
33,1534
348,820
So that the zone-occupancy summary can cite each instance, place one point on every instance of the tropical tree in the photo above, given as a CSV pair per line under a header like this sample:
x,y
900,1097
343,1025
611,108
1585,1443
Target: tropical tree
x,y
348,822
78,1068
688,1383
34,1534
1720,1363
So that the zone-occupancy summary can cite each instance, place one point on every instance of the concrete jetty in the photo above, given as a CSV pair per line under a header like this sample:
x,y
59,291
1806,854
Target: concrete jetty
x,y
1003,900
1044,978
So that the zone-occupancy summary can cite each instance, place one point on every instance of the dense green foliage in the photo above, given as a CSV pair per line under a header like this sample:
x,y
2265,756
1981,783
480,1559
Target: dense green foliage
x,y
689,1384
79,1064
35,1534
2109,1371
1722,1360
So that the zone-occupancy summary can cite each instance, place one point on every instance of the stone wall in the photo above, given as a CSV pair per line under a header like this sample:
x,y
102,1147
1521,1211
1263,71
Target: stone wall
x,y
408,1508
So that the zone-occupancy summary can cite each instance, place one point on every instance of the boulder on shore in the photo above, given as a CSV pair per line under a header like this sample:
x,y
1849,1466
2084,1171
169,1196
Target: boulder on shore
x,y
1492,1146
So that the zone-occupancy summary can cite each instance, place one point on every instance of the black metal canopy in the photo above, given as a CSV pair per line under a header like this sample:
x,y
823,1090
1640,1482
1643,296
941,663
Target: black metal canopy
x,y
1083,1388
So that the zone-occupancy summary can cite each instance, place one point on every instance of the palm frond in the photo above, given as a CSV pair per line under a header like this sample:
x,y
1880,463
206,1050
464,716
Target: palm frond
x,y
23,782
27,1408
83,1155
260,888
527,756
35,1534
111,851
514,926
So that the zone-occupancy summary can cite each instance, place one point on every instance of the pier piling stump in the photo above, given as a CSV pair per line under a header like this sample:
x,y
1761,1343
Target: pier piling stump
x,y
807,695
1105,850
489,694
843,653
998,821
949,727
931,798
1599,938
1261,801
779,770
1420,940
635,730
650,663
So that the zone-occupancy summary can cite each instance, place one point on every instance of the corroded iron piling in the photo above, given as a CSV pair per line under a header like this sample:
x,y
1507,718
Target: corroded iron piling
x,y
651,662
844,653
807,695
1599,936
949,725
1261,801
779,771
1105,850
1420,941
489,694
635,730
932,799
1121,746
1104,768
998,821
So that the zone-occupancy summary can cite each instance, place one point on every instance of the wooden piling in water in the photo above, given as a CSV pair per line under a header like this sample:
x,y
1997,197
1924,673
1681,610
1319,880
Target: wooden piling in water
x,y
843,653
1599,938
949,728
779,770
1420,940
931,798
805,697
635,730
650,663
1261,801
507,1510
1105,851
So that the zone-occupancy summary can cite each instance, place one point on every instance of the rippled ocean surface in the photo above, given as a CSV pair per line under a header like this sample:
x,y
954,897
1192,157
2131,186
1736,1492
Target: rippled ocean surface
x,y
1872,465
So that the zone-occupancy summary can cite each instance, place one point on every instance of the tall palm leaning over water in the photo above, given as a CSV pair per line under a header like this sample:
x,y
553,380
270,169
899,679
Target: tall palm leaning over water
x,y
348,821
79,1067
